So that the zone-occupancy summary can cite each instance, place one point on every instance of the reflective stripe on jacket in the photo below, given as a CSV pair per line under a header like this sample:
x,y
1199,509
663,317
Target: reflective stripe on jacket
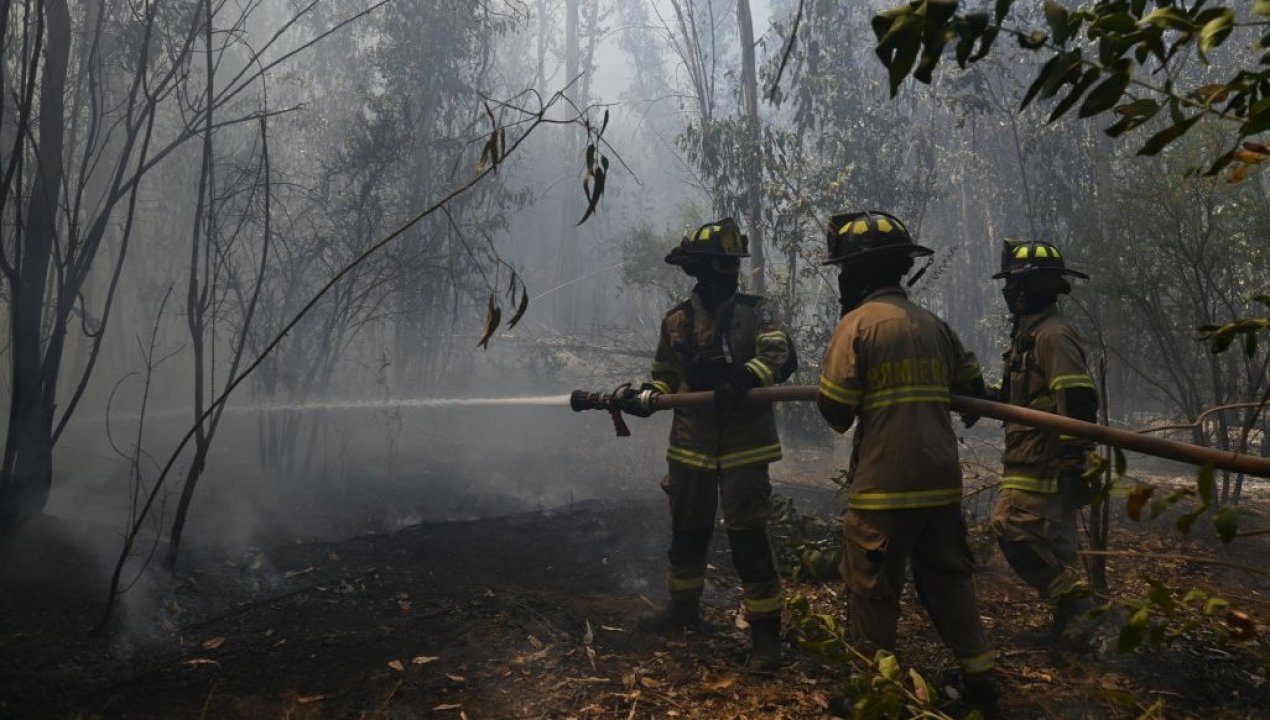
x,y
701,437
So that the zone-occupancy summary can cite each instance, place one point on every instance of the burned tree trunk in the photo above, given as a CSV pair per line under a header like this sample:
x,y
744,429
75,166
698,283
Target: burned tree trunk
x,y
26,476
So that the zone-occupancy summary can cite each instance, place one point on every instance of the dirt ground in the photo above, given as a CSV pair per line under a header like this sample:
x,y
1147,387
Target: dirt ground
x,y
532,615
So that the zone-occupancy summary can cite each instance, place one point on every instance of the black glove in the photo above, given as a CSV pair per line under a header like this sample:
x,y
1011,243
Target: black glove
x,y
639,402
731,390
980,391
1073,488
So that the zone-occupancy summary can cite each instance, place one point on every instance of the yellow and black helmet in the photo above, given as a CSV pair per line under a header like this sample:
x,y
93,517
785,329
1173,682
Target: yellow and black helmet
x,y
719,239
1024,257
855,235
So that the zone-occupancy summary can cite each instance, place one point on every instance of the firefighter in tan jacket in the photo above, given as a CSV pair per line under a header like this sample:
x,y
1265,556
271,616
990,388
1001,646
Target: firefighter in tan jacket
x,y
1042,481
890,370
723,341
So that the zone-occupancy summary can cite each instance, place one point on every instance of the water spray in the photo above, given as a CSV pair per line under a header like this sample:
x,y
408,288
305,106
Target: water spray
x,y
389,404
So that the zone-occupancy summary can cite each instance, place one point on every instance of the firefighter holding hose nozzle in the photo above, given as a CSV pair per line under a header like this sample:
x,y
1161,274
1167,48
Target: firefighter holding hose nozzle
x,y
723,341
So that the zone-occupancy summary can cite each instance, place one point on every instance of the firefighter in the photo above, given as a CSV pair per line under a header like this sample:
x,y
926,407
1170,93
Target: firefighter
x,y
1043,486
723,341
890,370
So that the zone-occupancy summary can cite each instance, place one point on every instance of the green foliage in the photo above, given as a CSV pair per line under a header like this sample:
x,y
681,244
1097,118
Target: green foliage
x,y
1225,519
809,546
1163,616
880,688
1221,336
1107,56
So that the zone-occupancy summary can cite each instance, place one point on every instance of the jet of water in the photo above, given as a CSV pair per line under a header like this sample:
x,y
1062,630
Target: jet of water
x,y
542,400
391,403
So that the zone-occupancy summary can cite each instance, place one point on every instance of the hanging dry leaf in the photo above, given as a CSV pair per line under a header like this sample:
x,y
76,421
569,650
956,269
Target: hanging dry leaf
x,y
296,573
200,661
1138,497
424,659
309,699
456,678
214,643
492,318
448,706
396,665
650,682
520,308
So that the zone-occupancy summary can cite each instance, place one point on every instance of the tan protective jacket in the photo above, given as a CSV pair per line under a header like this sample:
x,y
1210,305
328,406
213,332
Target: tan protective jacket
x,y
701,437
896,365
1045,358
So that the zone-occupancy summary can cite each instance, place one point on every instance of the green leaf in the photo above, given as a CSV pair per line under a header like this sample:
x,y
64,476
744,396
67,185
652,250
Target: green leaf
x,y
1215,31
1206,484
1056,16
931,53
1033,41
1227,523
1160,596
1187,521
1121,463
1120,22
1003,9
985,44
888,666
1261,7
1169,18
1088,79
1135,631
920,687
1216,605
1054,68
898,48
1159,505
1160,140
1143,108
1220,163
1106,95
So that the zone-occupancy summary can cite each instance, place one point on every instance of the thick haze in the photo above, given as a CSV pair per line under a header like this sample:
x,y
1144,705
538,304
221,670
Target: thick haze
x,y
386,115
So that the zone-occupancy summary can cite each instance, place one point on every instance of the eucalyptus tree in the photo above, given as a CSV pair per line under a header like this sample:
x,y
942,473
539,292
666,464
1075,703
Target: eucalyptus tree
x,y
95,106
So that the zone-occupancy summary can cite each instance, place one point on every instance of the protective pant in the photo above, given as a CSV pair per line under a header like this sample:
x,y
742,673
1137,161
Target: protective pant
x,y
1037,535
878,546
745,494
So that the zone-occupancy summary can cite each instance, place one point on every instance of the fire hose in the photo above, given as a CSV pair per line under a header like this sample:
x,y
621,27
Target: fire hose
x,y
1119,437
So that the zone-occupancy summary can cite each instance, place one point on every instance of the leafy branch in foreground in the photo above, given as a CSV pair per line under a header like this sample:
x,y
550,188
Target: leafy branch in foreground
x,y
880,688
1099,56
1222,336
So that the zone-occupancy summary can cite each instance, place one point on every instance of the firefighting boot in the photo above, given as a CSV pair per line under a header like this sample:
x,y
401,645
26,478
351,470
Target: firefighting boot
x,y
675,617
981,693
1072,628
765,643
